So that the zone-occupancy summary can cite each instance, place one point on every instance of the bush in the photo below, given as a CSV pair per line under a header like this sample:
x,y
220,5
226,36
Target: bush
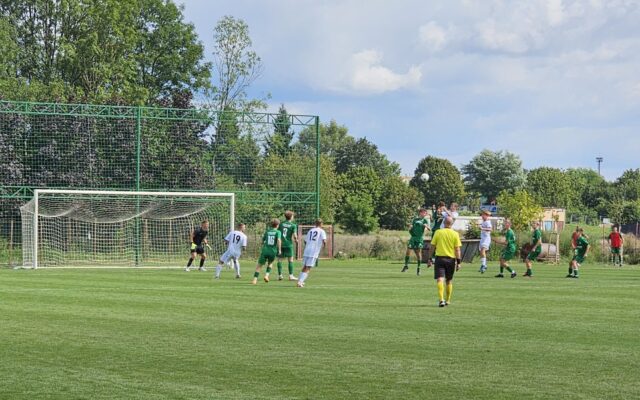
x,y
473,230
9,258
631,249
384,248
356,215
388,245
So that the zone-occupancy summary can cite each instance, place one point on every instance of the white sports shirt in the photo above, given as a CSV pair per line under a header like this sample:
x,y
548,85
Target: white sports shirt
x,y
237,240
446,214
485,236
314,241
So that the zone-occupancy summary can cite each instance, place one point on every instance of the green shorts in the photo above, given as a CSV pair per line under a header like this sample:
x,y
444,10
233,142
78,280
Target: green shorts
x,y
415,243
266,258
508,254
287,252
615,250
578,258
533,255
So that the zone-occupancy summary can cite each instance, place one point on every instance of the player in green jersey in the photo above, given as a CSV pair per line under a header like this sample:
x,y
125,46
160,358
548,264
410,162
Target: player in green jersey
x,y
580,253
418,226
536,243
271,248
509,251
289,230
437,217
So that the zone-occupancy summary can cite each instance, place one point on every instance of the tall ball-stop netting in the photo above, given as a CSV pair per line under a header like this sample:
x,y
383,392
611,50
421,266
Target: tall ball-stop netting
x,y
270,161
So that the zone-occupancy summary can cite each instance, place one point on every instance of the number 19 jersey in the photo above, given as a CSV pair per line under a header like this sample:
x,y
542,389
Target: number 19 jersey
x,y
237,240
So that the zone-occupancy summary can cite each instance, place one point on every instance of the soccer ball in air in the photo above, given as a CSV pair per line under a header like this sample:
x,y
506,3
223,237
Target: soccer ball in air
x,y
424,177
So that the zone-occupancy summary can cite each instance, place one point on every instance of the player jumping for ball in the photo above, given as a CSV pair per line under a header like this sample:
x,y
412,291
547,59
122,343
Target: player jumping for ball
x,y
451,212
418,227
236,242
438,218
315,240
198,238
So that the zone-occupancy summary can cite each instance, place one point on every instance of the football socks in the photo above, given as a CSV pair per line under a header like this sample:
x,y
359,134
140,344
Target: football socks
x,y
441,290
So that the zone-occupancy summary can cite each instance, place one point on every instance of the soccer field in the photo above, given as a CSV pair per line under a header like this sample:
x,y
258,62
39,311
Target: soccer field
x,y
360,329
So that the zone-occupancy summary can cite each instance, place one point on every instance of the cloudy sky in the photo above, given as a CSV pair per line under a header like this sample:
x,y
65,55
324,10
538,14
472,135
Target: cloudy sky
x,y
555,81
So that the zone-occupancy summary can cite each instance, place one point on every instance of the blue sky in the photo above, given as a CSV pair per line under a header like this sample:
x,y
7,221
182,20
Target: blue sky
x,y
556,82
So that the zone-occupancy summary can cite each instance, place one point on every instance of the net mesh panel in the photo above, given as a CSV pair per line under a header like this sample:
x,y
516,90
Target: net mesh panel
x,y
102,147
67,151
99,230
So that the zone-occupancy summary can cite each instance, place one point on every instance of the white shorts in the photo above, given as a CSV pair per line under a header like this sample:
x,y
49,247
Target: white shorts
x,y
228,256
309,261
485,245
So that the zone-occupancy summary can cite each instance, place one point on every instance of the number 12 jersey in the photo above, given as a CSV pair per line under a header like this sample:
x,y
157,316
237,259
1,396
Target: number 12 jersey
x,y
314,241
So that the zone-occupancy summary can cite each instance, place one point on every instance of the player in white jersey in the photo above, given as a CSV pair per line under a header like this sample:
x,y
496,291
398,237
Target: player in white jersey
x,y
451,212
315,240
236,242
485,239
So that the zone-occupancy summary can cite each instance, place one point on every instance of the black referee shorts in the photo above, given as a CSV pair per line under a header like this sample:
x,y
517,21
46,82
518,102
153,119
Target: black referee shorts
x,y
444,267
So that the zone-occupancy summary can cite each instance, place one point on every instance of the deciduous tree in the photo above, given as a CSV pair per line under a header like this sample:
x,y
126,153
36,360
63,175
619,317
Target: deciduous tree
x,y
520,207
490,173
444,184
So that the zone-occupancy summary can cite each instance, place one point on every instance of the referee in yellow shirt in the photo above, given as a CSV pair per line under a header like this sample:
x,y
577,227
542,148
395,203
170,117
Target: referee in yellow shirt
x,y
446,245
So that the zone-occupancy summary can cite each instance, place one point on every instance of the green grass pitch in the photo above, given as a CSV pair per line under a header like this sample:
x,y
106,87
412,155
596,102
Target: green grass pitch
x,y
359,330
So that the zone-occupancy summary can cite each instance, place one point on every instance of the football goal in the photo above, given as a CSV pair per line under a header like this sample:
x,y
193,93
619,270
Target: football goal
x,y
92,228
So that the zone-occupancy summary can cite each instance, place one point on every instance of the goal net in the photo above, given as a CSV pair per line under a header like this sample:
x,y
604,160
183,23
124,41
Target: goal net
x,y
66,228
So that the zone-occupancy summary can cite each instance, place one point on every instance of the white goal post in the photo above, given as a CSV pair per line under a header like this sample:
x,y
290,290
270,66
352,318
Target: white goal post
x,y
98,228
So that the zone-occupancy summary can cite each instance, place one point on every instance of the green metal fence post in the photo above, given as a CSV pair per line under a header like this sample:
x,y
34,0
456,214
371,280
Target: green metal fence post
x,y
138,144
138,152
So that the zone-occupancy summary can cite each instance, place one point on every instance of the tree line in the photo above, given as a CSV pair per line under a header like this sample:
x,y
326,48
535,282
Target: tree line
x,y
491,177
142,52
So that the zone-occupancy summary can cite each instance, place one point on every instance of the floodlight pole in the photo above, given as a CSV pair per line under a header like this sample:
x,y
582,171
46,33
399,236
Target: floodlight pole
x,y
599,161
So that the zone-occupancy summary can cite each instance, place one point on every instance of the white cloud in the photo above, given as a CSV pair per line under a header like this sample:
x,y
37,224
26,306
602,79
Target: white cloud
x,y
555,12
506,38
433,36
367,75
490,70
